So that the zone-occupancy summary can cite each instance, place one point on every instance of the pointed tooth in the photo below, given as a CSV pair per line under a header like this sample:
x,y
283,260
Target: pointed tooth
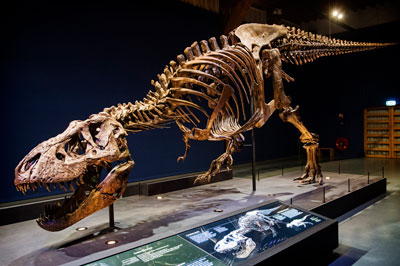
x,y
34,187
47,187
61,184
77,182
81,180
71,187
40,184
54,185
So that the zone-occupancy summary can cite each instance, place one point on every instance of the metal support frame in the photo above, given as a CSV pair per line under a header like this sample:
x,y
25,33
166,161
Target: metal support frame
x,y
111,215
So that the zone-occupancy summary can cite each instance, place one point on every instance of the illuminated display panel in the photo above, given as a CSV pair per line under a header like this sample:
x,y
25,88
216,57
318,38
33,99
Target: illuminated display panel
x,y
228,241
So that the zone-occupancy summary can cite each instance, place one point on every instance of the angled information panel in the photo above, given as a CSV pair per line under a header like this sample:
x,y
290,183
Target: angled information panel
x,y
233,240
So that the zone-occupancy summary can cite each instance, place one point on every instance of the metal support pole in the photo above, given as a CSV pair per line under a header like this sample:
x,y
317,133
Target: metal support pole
x,y
323,194
291,200
111,215
348,185
368,177
253,148
383,172
253,161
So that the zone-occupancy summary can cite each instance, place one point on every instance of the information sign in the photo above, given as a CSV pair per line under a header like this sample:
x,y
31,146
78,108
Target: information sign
x,y
228,241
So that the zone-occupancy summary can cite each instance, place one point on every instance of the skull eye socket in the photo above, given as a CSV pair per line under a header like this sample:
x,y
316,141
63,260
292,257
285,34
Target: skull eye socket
x,y
60,156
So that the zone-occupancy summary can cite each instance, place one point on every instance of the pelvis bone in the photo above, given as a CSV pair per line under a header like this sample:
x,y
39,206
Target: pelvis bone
x,y
74,160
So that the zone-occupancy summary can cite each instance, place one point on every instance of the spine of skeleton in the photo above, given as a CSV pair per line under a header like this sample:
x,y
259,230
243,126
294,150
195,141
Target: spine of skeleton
x,y
153,111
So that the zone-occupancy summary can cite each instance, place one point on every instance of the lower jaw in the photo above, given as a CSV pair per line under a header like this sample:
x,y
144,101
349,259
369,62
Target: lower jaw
x,y
95,202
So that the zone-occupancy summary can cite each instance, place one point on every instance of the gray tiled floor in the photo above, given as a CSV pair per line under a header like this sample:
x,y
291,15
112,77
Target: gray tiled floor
x,y
372,235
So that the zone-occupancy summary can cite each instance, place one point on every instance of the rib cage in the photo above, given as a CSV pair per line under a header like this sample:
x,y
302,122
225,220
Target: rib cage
x,y
198,75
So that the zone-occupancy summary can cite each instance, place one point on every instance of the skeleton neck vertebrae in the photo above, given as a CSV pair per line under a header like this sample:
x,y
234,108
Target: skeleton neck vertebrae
x,y
153,112
205,92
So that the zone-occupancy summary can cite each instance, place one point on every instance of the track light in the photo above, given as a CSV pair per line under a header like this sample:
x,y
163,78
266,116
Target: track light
x,y
337,14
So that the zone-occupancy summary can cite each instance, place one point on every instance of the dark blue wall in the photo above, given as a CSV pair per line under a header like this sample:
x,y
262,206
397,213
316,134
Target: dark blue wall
x,y
64,62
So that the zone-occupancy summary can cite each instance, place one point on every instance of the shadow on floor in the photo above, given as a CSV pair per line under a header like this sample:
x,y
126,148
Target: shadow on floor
x,y
346,256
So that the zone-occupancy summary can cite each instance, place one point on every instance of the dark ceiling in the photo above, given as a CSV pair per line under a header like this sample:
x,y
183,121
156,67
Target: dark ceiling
x,y
307,10
357,13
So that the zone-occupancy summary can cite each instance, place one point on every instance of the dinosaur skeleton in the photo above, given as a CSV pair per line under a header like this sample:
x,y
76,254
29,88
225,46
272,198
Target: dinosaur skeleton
x,y
206,92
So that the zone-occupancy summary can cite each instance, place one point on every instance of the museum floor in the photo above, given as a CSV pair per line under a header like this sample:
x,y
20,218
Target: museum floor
x,y
369,235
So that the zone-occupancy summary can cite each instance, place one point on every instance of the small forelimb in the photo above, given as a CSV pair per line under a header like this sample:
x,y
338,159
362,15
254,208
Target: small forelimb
x,y
187,148
186,135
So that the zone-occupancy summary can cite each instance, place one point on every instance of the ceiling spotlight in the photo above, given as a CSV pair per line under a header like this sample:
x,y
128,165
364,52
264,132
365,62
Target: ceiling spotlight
x,y
111,242
81,228
340,16
159,197
218,210
335,13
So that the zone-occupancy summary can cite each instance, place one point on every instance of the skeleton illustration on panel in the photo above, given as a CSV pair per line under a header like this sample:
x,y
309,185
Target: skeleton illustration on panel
x,y
227,76
241,245
268,224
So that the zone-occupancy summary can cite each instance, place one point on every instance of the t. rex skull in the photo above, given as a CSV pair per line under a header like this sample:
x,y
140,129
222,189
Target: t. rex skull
x,y
78,156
